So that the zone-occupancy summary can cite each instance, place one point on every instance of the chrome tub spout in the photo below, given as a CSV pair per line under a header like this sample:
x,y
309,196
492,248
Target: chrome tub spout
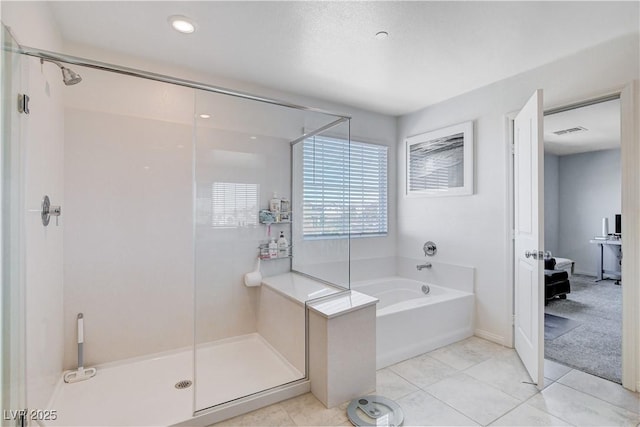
x,y
425,265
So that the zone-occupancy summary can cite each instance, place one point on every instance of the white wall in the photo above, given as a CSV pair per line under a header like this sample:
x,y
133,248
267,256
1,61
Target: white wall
x,y
42,139
590,189
473,230
551,203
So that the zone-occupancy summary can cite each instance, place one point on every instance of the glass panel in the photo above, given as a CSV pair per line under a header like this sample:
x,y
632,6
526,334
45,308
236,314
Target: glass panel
x,y
245,342
128,249
12,344
321,182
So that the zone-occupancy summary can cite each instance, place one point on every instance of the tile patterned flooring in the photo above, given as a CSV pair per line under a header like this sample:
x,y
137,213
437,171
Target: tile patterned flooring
x,y
473,382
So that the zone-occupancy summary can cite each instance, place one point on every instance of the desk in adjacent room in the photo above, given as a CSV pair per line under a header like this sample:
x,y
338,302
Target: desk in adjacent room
x,y
601,270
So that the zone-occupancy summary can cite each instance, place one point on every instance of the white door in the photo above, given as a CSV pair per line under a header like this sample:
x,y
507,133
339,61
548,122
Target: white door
x,y
529,228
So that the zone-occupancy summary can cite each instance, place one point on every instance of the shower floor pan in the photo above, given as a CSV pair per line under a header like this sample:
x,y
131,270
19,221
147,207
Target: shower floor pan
x,y
142,391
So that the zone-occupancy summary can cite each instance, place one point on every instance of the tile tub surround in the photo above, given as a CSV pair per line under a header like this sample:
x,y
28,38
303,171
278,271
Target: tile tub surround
x,y
572,398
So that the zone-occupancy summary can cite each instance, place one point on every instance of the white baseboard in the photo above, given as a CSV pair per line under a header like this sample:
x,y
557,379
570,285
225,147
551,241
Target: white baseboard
x,y
498,339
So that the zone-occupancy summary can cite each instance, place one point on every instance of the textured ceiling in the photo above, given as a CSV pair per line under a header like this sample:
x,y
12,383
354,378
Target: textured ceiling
x,y
435,50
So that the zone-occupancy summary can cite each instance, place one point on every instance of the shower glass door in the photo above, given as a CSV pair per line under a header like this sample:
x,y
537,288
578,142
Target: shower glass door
x,y
128,250
243,164
12,305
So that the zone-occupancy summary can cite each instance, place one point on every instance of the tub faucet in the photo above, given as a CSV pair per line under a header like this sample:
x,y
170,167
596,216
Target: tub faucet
x,y
425,265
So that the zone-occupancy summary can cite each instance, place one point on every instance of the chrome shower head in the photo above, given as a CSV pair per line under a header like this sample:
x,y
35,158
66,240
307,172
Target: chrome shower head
x,y
69,77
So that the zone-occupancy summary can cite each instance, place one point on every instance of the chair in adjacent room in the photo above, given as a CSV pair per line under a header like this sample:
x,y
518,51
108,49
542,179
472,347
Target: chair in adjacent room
x,y
556,282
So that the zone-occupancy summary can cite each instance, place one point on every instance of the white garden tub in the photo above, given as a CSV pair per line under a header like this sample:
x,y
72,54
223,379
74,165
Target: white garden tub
x,y
410,322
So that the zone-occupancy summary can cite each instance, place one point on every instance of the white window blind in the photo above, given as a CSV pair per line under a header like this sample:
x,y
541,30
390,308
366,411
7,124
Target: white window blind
x,y
234,204
344,188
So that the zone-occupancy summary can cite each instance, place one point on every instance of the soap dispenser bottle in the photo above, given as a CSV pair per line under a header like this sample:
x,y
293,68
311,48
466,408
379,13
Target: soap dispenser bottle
x,y
273,249
283,246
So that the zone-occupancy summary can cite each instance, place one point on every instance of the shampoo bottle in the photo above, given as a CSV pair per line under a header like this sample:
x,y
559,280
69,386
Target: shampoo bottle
x,y
283,246
274,206
273,249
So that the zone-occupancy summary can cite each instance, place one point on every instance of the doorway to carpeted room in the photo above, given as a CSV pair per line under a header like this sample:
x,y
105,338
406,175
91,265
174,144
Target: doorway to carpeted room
x,y
594,345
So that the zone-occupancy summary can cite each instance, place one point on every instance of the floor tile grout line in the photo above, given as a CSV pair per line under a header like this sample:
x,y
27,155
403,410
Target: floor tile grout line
x,y
458,372
547,412
495,387
507,413
438,360
406,379
458,369
418,386
456,410
596,397
520,402
293,422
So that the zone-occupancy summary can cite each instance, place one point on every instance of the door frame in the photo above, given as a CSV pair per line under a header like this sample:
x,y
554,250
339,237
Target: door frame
x,y
630,193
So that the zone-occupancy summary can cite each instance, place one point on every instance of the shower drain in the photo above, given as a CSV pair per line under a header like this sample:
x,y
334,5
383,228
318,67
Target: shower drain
x,y
184,384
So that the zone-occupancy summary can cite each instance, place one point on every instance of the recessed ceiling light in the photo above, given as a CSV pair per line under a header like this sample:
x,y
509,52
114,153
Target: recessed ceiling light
x,y
381,35
253,137
182,24
205,116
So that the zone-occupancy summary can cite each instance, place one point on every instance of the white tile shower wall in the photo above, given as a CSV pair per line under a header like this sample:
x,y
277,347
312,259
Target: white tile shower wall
x,y
42,138
224,306
128,234
472,230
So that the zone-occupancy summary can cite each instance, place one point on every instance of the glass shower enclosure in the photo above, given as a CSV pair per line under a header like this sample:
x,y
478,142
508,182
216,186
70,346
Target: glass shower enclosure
x,y
244,158
164,183
12,344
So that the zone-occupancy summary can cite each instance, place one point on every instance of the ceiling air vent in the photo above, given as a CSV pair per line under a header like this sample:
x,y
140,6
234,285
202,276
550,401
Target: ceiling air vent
x,y
570,130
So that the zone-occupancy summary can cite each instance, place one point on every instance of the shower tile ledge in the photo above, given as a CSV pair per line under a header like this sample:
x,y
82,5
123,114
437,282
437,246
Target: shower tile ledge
x,y
299,288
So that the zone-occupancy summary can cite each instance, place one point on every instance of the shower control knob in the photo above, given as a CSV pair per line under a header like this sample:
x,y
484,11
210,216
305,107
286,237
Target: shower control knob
x,y
48,211
55,211
429,248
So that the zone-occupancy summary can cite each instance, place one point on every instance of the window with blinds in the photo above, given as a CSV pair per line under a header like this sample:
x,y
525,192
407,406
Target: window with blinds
x,y
234,204
344,188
